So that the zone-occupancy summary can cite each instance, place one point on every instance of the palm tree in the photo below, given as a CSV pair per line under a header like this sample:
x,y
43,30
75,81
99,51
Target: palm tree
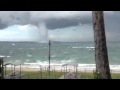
x,y
101,54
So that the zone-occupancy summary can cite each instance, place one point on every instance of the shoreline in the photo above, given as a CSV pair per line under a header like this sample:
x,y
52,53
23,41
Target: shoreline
x,y
55,68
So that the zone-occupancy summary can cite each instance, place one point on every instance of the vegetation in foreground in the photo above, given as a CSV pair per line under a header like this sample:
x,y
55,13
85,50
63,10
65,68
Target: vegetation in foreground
x,y
56,75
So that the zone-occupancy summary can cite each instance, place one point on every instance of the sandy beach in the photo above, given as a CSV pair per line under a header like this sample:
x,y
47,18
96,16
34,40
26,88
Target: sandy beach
x,y
55,68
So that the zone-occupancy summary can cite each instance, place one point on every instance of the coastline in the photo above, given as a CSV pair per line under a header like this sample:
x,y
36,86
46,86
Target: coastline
x,y
86,68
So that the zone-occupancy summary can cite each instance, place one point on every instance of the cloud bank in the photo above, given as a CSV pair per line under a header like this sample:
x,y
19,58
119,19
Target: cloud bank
x,y
47,23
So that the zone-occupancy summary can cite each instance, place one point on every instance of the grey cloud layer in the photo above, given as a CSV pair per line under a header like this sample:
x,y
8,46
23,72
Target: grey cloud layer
x,y
53,19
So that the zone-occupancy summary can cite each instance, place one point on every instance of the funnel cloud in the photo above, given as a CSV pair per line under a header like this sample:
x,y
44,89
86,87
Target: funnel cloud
x,y
43,31
56,25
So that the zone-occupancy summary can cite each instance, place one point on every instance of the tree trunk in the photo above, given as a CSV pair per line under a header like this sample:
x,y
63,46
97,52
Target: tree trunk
x,y
1,69
101,55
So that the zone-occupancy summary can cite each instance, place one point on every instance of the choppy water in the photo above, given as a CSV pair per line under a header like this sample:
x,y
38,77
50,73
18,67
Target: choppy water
x,y
81,53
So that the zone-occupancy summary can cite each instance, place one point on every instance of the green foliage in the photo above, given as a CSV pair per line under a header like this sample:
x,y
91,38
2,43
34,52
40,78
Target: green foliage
x,y
96,75
86,75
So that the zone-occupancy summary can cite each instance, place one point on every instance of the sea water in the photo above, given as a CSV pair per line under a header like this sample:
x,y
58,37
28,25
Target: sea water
x,y
81,53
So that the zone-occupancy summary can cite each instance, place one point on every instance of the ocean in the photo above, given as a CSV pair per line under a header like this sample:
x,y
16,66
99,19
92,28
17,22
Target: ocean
x,y
61,52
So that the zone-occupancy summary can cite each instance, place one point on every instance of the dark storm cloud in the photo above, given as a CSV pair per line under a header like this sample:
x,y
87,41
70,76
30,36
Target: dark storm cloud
x,y
53,19
8,18
112,22
62,20
63,23
3,25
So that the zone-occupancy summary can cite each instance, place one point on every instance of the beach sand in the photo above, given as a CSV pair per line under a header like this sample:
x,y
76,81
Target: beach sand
x,y
59,69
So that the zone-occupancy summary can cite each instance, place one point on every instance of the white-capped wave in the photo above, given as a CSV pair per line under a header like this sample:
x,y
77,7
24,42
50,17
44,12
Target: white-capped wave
x,y
53,55
58,65
2,56
90,47
76,47
29,55
8,56
32,48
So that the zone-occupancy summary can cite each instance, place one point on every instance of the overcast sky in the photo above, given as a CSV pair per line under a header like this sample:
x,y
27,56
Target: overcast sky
x,y
40,26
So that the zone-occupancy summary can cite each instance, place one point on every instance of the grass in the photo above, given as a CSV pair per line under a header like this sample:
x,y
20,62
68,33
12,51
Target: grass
x,y
90,75
36,75
53,75
45,75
